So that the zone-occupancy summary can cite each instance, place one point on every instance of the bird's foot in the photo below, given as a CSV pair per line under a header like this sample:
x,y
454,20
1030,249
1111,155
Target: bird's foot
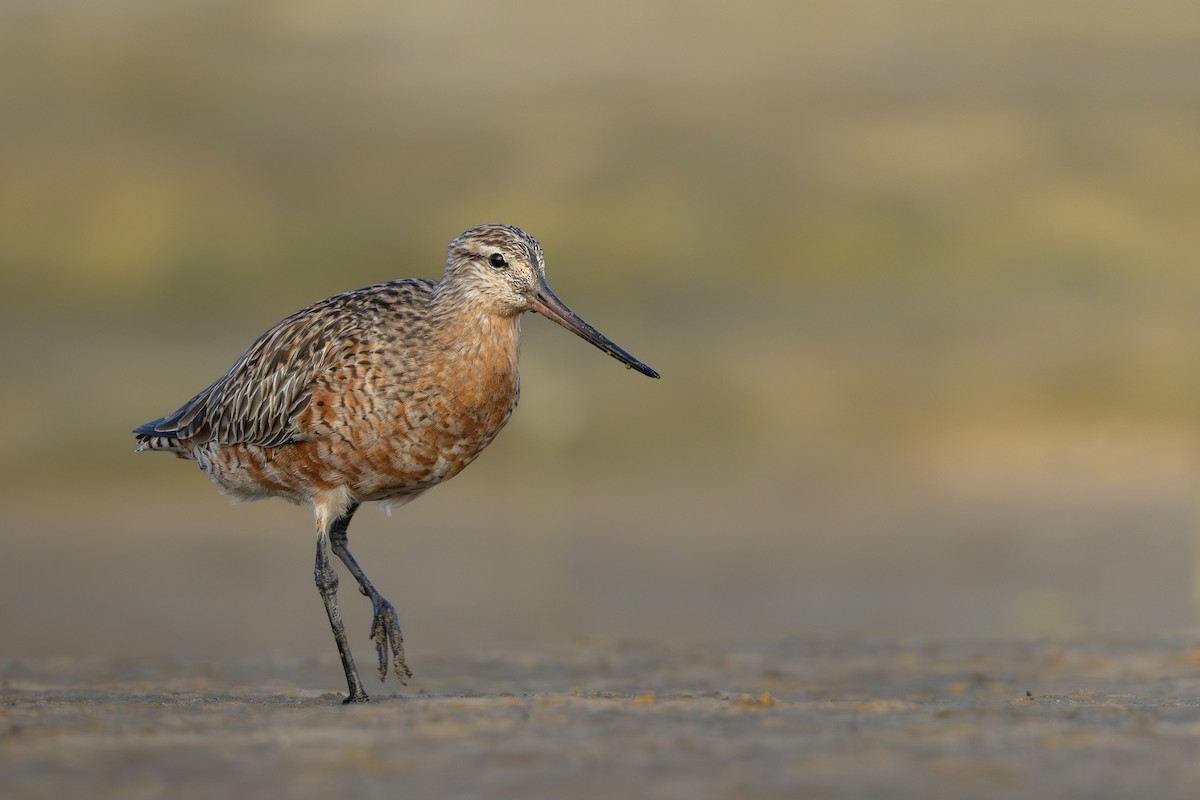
x,y
356,698
389,641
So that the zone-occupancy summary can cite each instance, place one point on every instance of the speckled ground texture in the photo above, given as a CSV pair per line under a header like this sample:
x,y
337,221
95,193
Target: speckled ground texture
x,y
597,718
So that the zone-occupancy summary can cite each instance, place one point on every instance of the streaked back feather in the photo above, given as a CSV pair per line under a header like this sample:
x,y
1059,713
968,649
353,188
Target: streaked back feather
x,y
257,400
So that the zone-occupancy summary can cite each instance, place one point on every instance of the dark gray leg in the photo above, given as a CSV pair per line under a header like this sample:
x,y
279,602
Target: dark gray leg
x,y
385,627
327,583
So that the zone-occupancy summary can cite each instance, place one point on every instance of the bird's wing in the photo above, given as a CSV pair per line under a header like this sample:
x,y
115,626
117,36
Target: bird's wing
x,y
257,400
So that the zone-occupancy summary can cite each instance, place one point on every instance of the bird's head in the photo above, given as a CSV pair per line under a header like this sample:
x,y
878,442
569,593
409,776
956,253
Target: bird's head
x,y
498,266
502,269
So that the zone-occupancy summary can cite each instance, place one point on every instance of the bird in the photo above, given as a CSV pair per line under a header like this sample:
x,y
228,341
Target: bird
x,y
376,394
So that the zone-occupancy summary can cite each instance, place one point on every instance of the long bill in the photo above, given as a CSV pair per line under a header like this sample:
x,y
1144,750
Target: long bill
x,y
546,303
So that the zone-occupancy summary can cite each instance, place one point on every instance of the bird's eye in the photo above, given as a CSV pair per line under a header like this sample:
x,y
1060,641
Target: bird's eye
x,y
497,261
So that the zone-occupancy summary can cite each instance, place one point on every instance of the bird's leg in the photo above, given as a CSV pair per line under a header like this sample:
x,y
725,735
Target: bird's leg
x,y
385,627
327,583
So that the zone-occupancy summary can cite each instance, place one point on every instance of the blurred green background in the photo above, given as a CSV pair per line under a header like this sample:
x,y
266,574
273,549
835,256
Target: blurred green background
x,y
921,279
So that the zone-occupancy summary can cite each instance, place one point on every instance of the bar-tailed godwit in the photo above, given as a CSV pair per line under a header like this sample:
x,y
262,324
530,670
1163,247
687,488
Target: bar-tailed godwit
x,y
376,394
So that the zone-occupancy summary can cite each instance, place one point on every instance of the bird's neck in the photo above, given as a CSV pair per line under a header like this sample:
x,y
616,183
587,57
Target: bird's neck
x,y
472,332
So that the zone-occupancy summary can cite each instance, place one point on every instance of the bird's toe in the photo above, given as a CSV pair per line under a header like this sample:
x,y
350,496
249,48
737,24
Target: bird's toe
x,y
389,641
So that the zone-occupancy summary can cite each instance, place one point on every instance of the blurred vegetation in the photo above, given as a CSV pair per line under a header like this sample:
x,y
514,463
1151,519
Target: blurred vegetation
x,y
921,279
838,229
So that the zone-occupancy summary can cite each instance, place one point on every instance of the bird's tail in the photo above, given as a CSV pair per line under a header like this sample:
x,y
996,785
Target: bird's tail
x,y
150,439
166,443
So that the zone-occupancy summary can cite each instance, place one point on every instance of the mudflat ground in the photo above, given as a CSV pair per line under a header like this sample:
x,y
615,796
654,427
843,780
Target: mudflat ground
x,y
187,655
608,719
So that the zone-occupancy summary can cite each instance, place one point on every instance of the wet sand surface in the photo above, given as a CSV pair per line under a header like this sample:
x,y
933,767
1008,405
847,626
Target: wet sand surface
x,y
609,719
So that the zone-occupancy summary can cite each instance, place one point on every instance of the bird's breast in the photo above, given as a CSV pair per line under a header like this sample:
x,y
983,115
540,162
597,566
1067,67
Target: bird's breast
x,y
429,412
